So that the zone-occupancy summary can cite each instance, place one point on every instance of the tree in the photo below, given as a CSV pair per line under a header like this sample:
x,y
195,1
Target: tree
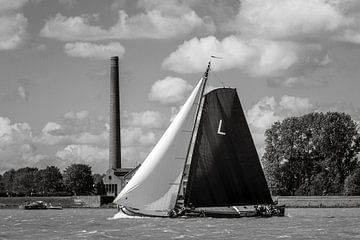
x,y
352,183
8,181
50,180
311,154
78,179
2,185
26,181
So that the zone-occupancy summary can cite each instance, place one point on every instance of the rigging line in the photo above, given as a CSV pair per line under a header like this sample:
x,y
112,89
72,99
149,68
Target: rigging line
x,y
213,72
195,124
218,78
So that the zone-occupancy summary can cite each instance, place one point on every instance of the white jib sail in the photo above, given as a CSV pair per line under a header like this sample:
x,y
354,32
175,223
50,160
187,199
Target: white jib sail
x,y
154,187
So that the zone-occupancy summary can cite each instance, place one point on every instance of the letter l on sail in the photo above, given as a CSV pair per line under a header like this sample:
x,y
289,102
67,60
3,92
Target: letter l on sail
x,y
219,129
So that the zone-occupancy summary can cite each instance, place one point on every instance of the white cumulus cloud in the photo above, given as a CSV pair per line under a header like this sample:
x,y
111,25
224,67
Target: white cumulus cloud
x,y
73,29
97,157
16,145
12,31
146,119
94,51
76,128
77,115
257,57
136,136
262,114
170,91
295,104
284,19
159,20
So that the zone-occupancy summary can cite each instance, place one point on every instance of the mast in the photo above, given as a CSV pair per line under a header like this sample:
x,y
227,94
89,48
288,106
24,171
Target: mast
x,y
180,202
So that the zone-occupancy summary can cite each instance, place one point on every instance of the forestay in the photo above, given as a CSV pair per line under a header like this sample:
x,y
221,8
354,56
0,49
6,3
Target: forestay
x,y
154,187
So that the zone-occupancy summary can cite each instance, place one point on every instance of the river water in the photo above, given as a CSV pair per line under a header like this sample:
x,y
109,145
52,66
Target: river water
x,y
340,223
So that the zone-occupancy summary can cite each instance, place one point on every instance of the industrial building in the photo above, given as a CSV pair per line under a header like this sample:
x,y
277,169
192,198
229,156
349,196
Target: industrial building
x,y
116,177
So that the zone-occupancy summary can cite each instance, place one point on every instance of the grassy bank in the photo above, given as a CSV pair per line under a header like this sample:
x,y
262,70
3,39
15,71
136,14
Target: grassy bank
x,y
103,201
66,202
319,201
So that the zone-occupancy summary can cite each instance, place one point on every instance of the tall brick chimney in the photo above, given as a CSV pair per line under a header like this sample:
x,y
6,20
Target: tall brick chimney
x,y
114,140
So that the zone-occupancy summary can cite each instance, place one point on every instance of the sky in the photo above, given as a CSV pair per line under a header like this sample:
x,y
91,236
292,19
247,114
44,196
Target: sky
x,y
285,58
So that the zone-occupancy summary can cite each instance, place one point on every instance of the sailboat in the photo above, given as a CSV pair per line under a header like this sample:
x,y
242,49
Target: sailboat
x,y
204,165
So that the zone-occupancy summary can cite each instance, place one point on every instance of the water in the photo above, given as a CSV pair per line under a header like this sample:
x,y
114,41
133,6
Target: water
x,y
99,224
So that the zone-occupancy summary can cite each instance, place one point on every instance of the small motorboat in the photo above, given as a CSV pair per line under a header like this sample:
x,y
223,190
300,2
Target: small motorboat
x,y
40,205
34,205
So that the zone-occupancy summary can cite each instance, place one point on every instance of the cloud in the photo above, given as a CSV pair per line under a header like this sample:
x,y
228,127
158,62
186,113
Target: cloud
x,y
13,133
160,20
170,91
349,35
155,24
267,111
79,138
257,57
79,134
283,19
146,119
134,155
295,104
59,137
286,43
135,136
12,31
16,146
262,114
77,115
68,3
23,93
92,155
11,5
299,82
13,25
94,51
76,128
268,56
18,95
73,29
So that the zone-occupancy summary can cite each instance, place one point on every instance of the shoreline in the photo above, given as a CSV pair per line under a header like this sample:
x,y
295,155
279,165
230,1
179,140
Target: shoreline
x,y
319,201
106,201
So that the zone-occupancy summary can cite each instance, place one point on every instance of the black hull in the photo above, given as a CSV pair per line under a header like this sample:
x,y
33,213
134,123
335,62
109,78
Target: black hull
x,y
32,208
222,212
276,211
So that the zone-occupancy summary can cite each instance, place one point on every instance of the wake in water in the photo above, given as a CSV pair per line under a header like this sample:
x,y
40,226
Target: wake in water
x,y
120,215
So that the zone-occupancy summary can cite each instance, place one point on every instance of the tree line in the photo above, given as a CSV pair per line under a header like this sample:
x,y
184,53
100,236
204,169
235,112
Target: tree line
x,y
77,179
314,154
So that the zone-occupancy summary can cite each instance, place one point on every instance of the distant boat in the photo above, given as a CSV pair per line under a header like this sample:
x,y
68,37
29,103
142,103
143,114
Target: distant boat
x,y
204,165
40,205
34,205
54,207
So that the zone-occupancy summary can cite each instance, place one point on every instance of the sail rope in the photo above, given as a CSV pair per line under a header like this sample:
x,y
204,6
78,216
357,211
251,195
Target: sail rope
x,y
213,73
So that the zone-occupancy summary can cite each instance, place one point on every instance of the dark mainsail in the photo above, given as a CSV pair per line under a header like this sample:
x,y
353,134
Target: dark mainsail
x,y
225,168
